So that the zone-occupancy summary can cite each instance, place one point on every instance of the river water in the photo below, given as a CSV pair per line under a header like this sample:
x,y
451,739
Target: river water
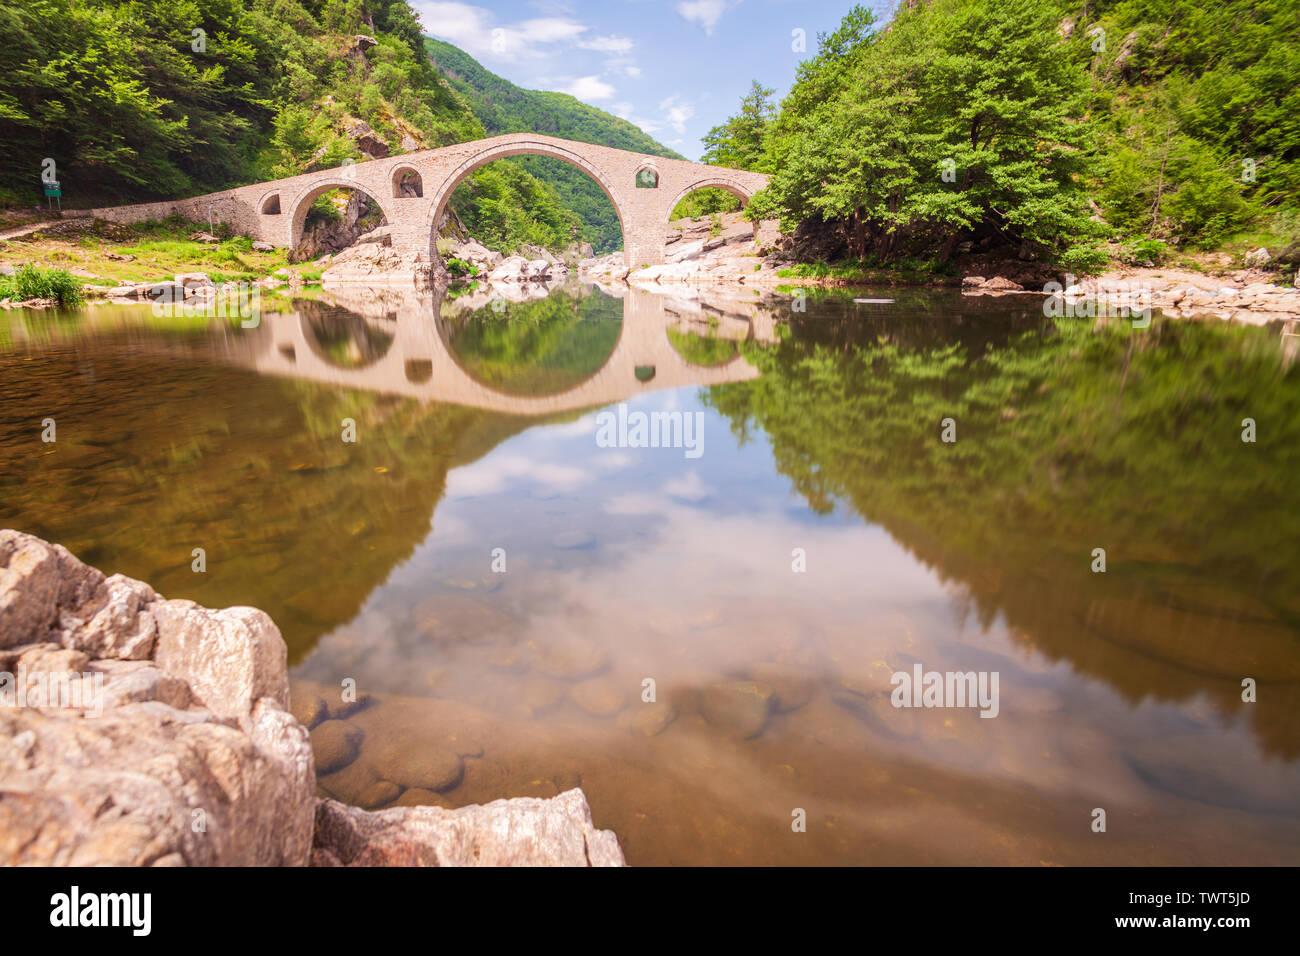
x,y
710,637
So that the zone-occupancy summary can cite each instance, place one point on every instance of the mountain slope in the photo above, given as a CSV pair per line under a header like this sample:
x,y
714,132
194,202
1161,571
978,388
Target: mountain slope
x,y
502,107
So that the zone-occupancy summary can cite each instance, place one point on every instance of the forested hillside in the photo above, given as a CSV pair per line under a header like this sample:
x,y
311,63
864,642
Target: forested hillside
x,y
1050,127
137,100
503,107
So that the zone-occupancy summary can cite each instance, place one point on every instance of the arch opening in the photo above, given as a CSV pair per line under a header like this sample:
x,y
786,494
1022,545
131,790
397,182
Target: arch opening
x,y
333,215
703,215
407,183
419,371
271,205
560,171
708,339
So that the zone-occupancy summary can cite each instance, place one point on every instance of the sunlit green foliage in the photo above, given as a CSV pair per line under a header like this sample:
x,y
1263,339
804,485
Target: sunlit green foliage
x,y
31,282
504,207
970,118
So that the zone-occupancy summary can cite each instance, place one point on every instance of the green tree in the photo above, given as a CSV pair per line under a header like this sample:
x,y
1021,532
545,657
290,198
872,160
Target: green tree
x,y
963,116
741,142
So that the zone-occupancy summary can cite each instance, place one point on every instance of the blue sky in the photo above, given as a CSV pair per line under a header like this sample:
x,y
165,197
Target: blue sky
x,y
676,68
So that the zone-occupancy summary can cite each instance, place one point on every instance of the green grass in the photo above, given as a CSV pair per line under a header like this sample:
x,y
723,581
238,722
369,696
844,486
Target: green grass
x,y
33,282
160,250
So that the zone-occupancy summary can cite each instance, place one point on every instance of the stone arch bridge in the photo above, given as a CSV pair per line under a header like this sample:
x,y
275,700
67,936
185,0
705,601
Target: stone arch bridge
x,y
413,190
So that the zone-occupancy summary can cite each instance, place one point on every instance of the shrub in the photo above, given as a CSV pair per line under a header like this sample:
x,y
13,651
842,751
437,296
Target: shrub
x,y
459,267
31,282
1144,250
1084,259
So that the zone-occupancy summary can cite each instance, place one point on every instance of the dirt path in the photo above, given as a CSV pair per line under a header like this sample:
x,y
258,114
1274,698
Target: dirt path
x,y
17,232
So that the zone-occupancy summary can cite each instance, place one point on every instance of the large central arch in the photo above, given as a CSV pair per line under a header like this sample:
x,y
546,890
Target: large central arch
x,y
505,151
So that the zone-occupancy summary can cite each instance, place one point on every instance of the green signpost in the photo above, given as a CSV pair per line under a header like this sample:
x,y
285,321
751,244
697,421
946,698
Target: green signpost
x,y
54,191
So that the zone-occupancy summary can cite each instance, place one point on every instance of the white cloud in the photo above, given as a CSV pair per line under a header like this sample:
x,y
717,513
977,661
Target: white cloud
x,y
628,112
622,66
706,13
586,425
688,486
478,32
609,44
489,476
588,88
676,113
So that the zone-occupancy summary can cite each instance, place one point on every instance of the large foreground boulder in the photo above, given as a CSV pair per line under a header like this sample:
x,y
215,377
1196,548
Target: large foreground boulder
x,y
137,731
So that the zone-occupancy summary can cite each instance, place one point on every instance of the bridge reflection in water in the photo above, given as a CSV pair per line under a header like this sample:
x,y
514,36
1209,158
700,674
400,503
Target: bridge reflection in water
x,y
420,360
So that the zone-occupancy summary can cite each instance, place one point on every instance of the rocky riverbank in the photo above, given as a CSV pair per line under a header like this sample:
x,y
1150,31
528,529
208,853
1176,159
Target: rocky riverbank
x,y
720,252
1246,296
141,731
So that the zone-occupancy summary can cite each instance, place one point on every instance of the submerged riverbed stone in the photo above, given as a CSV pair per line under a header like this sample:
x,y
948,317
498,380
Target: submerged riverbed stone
x,y
351,782
378,794
572,659
309,709
599,697
539,696
335,744
649,719
418,763
789,691
454,617
740,707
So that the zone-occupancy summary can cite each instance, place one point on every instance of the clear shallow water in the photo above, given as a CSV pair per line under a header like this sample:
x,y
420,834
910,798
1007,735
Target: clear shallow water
x,y
821,432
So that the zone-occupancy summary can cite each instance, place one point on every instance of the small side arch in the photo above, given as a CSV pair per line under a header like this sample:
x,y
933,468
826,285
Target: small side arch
x,y
713,182
320,187
647,175
407,182
269,205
